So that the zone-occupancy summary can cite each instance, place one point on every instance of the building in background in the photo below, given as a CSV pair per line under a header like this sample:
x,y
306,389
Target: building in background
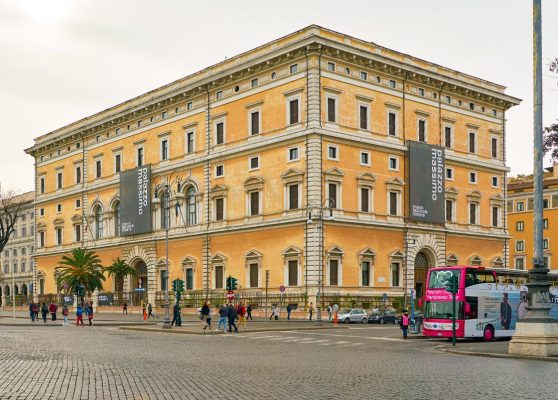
x,y
291,158
520,218
16,260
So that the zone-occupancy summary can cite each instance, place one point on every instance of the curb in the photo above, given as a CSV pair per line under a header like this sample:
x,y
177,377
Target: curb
x,y
185,332
497,355
99,324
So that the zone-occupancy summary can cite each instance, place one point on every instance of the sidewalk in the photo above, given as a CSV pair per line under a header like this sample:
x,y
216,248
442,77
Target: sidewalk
x,y
497,349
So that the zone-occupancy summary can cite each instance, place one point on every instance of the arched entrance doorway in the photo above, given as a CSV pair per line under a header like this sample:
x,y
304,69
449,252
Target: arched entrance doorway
x,y
139,283
423,262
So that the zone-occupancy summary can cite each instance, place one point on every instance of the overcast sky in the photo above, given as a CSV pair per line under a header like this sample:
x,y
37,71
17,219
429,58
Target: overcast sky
x,y
62,60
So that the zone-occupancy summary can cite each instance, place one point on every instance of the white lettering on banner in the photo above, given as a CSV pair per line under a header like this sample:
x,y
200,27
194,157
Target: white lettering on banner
x,y
437,173
143,182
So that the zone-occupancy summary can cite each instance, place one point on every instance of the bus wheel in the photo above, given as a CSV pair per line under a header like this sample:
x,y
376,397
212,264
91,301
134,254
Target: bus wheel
x,y
488,333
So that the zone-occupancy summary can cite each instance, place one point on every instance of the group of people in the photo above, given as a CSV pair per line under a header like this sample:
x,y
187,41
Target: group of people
x,y
228,316
52,308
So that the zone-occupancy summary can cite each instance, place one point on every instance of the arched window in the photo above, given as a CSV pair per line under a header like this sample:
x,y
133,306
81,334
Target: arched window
x,y
98,223
117,219
191,215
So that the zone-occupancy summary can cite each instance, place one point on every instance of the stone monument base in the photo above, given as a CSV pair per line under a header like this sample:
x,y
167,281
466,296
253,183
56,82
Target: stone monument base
x,y
536,338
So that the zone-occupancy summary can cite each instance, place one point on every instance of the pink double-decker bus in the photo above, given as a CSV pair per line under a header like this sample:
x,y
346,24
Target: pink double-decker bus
x,y
485,308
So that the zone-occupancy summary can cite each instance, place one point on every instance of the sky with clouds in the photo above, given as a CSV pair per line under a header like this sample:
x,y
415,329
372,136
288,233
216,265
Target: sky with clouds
x,y
63,60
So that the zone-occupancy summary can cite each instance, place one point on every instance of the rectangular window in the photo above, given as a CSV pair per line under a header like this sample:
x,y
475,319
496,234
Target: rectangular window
x,y
293,111
392,84
254,279
555,201
395,274
254,163
472,177
449,173
363,117
189,106
77,233
472,106
220,133
41,212
449,210
59,182
391,123
363,75
364,199
365,158
545,223
140,156
331,66
255,123
254,82
545,203
519,263
519,206
219,95
254,203
78,203
495,216
117,163
42,239
472,142
448,136
421,92
293,196
190,142
98,169
331,114
494,181
189,278
332,194
164,149
293,154
365,273
519,226
332,152
219,277
293,272
334,272
422,130
78,174
42,185
164,114
530,204
293,69
59,208
393,203
448,99
545,244
219,171
473,213
219,209
393,164
494,147
58,236
520,245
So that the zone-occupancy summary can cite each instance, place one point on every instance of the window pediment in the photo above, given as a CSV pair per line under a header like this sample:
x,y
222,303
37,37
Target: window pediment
x,y
254,183
395,182
218,259
188,262
367,253
397,254
58,222
366,178
334,173
293,175
292,251
451,192
76,219
218,190
335,251
253,255
474,194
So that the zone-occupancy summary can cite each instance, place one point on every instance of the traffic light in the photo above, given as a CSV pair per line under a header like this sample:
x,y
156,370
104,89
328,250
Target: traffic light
x,y
178,285
452,284
233,283
80,290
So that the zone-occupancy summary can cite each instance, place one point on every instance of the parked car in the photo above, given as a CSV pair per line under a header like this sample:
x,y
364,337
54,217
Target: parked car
x,y
352,315
383,317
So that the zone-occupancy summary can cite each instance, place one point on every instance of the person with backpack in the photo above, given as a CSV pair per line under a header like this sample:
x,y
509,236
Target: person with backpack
x,y
231,315
79,315
44,312
124,308
65,314
204,314
404,323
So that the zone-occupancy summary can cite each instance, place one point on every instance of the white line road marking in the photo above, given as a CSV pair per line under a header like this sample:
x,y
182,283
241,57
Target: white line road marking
x,y
351,336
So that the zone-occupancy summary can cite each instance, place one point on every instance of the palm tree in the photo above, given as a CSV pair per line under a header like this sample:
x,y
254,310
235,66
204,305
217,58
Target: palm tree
x,y
119,269
80,267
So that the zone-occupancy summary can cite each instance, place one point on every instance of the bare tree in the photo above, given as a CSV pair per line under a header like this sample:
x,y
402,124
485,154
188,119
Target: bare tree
x,y
550,140
10,204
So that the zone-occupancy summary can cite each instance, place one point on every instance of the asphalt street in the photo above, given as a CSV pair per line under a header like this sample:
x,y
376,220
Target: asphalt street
x,y
355,363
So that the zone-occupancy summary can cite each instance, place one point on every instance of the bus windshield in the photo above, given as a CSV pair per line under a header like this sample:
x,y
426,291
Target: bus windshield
x,y
438,278
443,310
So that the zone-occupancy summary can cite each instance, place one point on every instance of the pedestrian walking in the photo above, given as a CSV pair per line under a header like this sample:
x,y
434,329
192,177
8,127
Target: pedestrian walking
x,y
204,313
36,308
150,311
289,309
310,311
32,311
65,314
124,308
209,316
231,315
329,311
144,311
242,315
52,310
222,318
44,312
249,312
79,315
176,319
89,312
404,323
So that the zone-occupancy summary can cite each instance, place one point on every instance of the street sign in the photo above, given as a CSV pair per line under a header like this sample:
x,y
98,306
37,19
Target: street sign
x,y
230,296
139,289
281,288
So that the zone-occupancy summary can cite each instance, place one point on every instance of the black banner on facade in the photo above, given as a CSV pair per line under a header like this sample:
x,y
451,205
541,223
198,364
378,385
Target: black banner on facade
x,y
427,183
135,201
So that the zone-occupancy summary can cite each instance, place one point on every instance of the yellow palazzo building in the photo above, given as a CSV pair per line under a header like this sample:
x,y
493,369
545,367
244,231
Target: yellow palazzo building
x,y
288,163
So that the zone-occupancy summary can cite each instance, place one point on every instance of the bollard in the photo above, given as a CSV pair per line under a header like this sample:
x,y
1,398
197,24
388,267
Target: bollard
x,y
335,319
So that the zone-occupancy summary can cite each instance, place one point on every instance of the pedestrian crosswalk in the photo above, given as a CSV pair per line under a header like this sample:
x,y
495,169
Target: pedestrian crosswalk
x,y
280,338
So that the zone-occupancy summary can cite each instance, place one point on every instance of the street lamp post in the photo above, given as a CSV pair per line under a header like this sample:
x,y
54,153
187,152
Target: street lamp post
x,y
317,211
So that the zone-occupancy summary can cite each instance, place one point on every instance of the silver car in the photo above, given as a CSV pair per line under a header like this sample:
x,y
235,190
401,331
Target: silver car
x,y
352,315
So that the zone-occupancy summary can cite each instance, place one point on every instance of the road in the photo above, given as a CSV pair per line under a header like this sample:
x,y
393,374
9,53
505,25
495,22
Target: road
x,y
356,363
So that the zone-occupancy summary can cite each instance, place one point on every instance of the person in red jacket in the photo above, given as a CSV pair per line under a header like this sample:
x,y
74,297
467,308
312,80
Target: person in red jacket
x,y
52,310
